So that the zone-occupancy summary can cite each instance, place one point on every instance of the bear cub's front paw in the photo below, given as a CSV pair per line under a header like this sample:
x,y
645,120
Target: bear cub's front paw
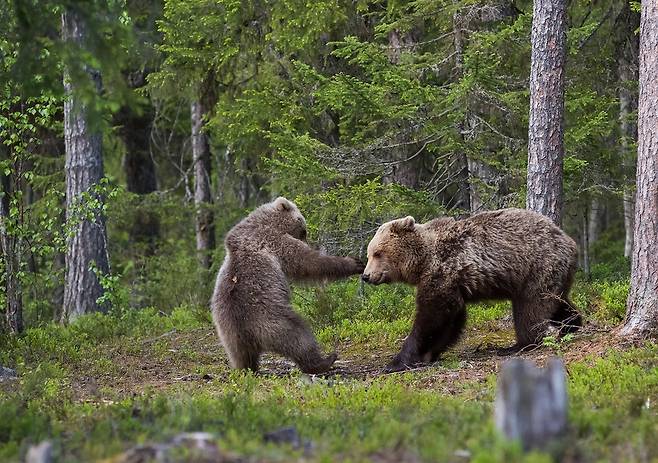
x,y
357,266
321,367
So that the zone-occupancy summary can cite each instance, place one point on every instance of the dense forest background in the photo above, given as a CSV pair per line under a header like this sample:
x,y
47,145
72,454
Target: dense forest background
x,y
358,111
135,133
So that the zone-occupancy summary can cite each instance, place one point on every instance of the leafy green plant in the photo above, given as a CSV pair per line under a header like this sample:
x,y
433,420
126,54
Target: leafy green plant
x,y
557,344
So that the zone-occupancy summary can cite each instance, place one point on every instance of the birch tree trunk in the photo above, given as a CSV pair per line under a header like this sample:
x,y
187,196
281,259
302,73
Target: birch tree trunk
x,y
627,68
642,306
205,222
87,246
546,125
594,221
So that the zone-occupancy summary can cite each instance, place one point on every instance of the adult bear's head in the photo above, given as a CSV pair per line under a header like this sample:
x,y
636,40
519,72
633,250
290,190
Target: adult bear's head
x,y
394,253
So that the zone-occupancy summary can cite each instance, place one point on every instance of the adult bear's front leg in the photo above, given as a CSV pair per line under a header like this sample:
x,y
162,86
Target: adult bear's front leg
x,y
434,328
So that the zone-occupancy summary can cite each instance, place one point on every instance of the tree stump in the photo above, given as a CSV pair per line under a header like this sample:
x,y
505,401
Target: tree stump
x,y
42,453
531,402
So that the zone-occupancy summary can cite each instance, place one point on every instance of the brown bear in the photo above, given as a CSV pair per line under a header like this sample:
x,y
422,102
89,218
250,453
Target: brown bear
x,y
251,302
506,254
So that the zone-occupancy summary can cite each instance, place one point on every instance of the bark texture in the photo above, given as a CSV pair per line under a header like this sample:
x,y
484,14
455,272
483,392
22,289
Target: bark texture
x,y
585,242
546,125
462,175
531,403
205,221
642,307
87,246
595,220
406,165
627,69
11,254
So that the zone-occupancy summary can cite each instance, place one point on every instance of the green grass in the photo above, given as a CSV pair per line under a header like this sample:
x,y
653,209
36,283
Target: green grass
x,y
428,414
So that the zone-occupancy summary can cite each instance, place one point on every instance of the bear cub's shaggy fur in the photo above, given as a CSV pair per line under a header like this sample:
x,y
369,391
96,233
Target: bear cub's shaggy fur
x,y
251,302
506,254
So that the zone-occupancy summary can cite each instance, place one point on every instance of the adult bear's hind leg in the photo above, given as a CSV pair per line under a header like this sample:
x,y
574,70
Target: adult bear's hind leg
x,y
566,318
530,321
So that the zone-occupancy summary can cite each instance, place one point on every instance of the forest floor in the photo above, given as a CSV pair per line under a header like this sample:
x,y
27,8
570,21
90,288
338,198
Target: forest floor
x,y
108,385
194,359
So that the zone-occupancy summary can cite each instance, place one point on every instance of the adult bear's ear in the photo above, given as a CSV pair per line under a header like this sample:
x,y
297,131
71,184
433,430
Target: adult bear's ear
x,y
282,204
403,225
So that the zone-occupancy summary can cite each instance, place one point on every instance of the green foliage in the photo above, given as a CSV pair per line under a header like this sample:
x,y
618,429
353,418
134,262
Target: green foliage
x,y
557,344
613,403
483,312
67,344
352,300
608,252
346,217
608,300
32,229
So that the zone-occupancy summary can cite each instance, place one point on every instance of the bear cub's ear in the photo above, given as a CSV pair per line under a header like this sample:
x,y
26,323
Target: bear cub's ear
x,y
282,204
402,225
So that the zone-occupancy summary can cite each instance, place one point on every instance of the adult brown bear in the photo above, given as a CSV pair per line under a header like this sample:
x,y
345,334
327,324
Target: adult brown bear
x,y
251,302
506,254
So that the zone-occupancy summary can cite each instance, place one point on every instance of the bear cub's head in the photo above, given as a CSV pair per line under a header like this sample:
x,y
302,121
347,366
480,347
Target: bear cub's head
x,y
288,219
393,252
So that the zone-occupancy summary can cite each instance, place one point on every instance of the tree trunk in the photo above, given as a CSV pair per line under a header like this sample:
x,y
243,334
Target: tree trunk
x,y
139,168
11,253
462,177
546,125
642,307
531,403
594,221
585,243
404,171
205,223
87,246
629,210
627,68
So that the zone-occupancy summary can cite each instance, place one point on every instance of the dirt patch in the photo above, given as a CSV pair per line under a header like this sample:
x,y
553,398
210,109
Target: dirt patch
x,y
193,359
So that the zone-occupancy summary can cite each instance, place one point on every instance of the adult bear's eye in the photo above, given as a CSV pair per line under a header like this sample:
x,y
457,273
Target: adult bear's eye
x,y
377,254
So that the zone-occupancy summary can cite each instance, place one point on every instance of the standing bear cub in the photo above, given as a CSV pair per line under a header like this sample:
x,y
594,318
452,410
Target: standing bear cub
x,y
506,254
251,302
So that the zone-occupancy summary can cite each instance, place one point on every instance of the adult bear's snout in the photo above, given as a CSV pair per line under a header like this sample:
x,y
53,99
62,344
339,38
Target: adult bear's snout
x,y
365,277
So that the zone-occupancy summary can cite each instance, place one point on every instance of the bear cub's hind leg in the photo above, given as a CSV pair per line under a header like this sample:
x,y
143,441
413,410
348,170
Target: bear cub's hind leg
x,y
243,357
292,338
